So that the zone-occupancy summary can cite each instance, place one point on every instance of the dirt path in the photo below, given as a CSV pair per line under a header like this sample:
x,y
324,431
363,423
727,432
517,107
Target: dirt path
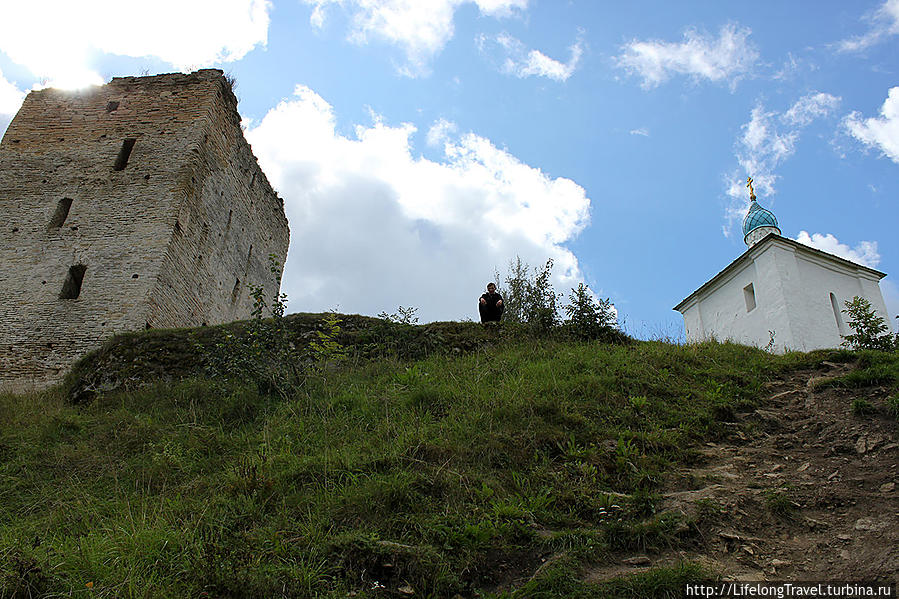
x,y
806,491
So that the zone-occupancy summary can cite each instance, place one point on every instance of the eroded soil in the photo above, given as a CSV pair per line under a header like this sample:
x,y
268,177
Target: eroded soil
x,y
802,489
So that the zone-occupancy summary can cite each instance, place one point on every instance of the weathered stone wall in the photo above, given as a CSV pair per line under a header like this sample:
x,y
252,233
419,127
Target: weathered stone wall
x,y
162,240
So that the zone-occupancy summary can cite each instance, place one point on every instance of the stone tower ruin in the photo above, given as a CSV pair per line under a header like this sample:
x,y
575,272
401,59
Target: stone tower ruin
x,y
133,205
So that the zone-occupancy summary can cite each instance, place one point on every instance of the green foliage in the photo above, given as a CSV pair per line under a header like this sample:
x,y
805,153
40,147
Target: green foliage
x,y
780,502
401,316
325,348
453,473
873,368
588,318
870,330
515,291
863,407
529,297
893,406
657,583
266,353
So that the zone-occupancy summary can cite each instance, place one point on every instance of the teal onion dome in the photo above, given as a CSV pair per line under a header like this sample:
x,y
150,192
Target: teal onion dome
x,y
758,217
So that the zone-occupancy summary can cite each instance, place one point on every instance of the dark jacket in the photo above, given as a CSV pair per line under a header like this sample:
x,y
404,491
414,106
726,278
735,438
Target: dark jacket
x,y
490,311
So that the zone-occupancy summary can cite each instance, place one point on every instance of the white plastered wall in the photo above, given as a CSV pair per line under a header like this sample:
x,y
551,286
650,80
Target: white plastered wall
x,y
792,288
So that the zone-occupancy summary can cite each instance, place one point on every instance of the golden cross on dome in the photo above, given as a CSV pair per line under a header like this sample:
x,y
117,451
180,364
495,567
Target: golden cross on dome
x,y
751,190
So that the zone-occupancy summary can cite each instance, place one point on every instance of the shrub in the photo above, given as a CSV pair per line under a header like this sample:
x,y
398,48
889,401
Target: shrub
x,y
266,354
588,317
870,330
530,297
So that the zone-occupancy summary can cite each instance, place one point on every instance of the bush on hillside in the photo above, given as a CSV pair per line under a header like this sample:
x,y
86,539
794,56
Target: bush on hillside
x,y
588,318
529,296
870,330
531,299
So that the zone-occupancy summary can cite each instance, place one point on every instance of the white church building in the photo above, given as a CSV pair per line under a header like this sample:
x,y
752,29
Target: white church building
x,y
779,293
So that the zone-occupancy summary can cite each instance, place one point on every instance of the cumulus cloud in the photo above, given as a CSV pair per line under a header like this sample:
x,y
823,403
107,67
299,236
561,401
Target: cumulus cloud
x,y
10,97
884,22
881,133
10,100
375,225
421,29
185,34
516,59
865,253
765,142
729,57
641,131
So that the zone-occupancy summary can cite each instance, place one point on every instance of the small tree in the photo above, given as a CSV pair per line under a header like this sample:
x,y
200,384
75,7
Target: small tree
x,y
542,306
588,317
529,297
870,330
515,290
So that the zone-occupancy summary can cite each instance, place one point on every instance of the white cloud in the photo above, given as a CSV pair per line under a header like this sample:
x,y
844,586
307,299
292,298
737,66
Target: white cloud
x,y
766,141
516,59
374,226
440,132
883,132
730,57
420,28
810,107
185,34
641,131
10,100
865,253
884,23
10,97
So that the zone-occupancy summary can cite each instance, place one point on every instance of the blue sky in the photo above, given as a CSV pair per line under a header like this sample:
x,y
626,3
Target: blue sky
x,y
419,145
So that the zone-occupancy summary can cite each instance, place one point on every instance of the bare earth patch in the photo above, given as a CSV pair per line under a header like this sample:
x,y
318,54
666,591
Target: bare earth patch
x,y
802,489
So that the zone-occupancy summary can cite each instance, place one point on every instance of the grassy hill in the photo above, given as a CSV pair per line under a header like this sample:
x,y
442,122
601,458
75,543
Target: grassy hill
x,y
387,461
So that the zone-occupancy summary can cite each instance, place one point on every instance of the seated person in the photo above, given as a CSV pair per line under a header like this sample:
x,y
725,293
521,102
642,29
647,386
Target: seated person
x,y
491,305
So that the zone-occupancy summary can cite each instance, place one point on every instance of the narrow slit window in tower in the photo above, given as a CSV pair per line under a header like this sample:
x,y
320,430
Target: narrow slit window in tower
x,y
61,214
235,293
749,296
122,160
841,325
71,289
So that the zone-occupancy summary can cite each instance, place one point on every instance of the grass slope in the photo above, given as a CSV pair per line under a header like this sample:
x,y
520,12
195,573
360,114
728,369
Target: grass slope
x,y
434,462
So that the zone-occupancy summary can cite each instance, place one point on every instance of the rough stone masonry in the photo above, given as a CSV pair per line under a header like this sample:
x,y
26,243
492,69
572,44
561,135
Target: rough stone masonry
x,y
133,205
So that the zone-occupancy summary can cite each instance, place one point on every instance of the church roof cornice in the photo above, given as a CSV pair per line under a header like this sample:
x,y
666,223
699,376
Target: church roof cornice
x,y
763,245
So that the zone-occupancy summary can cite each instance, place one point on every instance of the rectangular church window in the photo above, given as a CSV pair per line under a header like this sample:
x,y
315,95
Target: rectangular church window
x,y
749,296
122,160
71,289
61,214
